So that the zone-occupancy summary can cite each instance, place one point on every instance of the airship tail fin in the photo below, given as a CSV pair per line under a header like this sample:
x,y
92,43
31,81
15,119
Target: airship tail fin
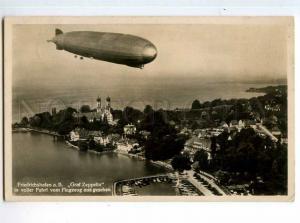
x,y
58,31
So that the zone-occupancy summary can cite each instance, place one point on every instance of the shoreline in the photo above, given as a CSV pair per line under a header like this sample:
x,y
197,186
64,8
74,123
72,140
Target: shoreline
x,y
157,163
42,131
88,151
162,164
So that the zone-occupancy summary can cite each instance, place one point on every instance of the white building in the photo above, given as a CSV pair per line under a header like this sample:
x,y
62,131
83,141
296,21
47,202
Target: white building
x,y
129,129
101,113
74,136
195,144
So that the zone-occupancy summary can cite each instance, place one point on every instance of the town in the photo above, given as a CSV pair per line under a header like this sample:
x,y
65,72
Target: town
x,y
236,146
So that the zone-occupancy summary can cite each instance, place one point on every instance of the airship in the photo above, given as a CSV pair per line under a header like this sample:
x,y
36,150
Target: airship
x,y
116,48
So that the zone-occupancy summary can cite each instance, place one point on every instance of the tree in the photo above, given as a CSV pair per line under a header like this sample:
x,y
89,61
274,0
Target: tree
x,y
180,163
84,122
117,114
65,128
163,148
195,125
24,122
104,127
148,109
83,146
216,102
92,144
85,108
206,104
213,146
215,115
132,115
35,121
64,117
196,104
202,158
163,142
42,120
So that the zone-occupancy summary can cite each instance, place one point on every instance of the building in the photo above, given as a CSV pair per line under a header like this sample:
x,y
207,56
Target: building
x,y
195,144
234,123
233,130
53,111
249,123
129,129
145,134
204,115
216,131
276,132
79,134
102,112
272,107
241,125
74,136
186,131
224,125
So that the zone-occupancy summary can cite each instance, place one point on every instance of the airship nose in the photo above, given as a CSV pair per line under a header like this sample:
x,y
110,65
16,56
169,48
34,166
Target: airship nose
x,y
149,53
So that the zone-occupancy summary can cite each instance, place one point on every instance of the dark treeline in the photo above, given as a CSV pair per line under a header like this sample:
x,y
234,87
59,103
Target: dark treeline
x,y
62,122
163,143
201,115
246,157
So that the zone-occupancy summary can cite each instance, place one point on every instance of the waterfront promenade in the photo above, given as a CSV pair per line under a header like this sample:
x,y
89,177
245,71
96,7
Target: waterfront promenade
x,y
45,132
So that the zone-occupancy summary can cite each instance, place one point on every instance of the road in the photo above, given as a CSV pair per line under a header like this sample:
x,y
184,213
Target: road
x,y
198,184
201,187
267,132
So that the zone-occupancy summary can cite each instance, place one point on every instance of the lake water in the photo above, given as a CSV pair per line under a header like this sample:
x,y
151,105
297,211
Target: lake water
x,y
39,159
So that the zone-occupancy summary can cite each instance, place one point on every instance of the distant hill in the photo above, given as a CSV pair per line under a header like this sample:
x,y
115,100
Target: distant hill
x,y
269,89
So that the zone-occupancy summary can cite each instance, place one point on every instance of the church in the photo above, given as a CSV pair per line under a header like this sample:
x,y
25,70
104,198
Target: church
x,y
100,114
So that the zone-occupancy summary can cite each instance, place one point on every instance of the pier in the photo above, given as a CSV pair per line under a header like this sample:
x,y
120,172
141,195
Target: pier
x,y
131,187
135,181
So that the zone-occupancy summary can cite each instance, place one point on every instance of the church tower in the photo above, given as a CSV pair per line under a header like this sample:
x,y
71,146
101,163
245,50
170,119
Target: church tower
x,y
98,104
108,103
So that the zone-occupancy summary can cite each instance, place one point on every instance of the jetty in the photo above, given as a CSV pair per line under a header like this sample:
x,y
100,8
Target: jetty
x,y
138,180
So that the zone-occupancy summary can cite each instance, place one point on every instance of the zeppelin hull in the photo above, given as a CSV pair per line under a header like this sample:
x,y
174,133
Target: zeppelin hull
x,y
111,47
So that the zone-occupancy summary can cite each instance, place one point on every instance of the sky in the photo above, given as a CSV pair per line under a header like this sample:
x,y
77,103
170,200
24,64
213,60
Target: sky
x,y
194,61
207,52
